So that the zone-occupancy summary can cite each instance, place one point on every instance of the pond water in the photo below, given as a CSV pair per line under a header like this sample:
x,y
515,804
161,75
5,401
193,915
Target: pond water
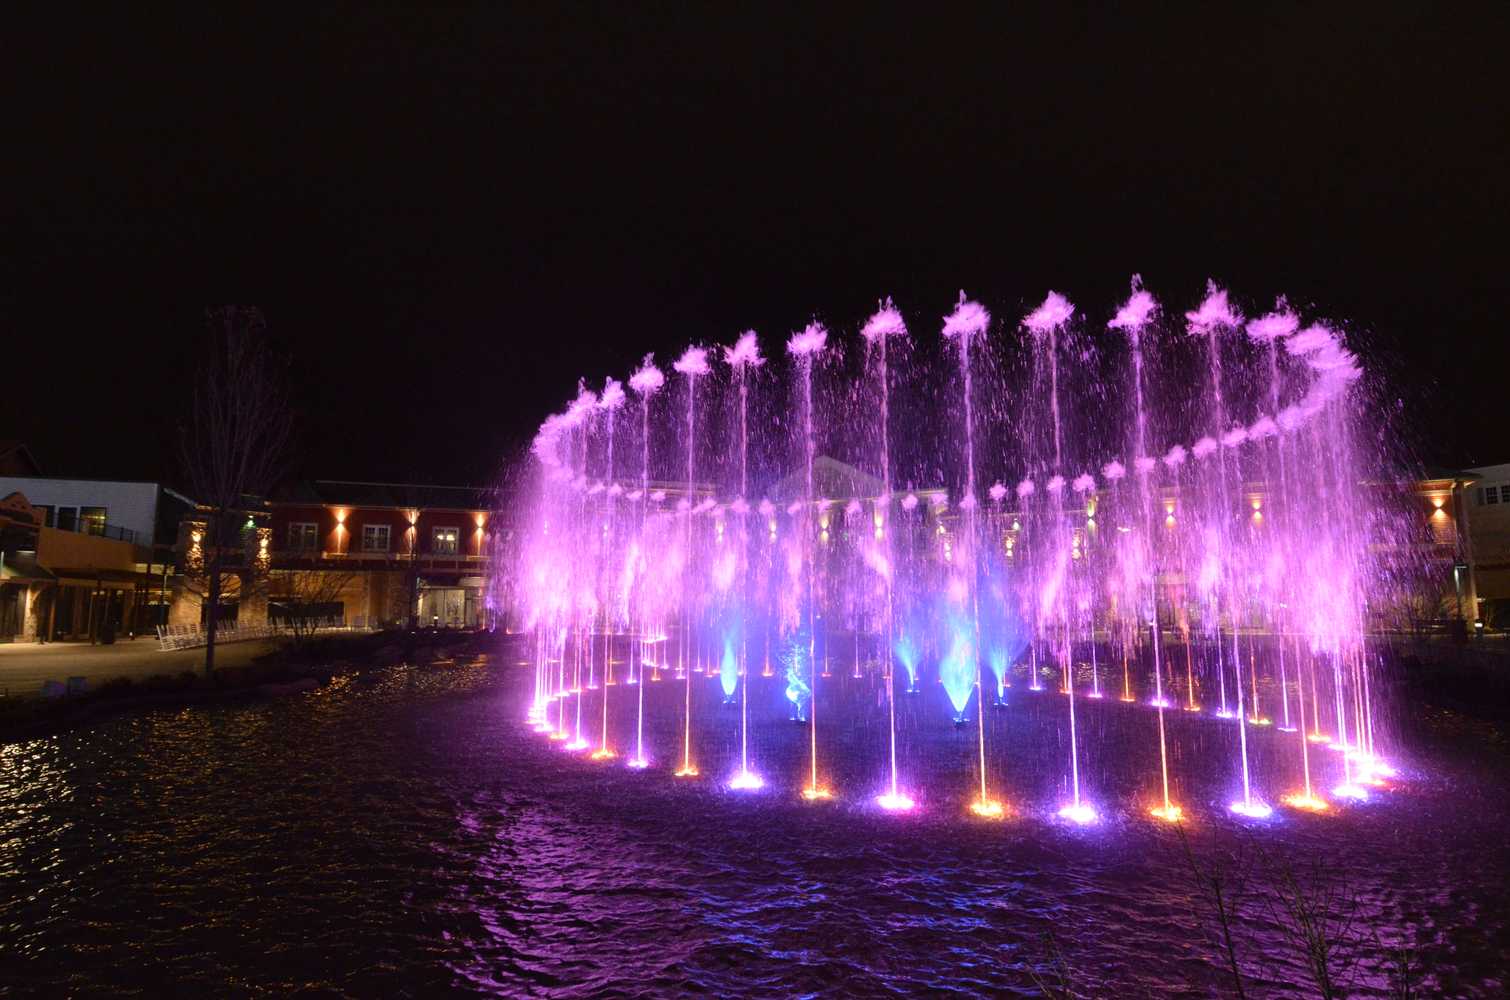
x,y
403,832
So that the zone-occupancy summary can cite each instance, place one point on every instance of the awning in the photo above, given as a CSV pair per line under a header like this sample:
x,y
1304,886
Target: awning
x,y
70,574
21,567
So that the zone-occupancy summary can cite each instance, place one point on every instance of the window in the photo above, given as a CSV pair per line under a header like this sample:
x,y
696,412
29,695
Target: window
x,y
443,541
68,518
374,538
1492,494
92,520
302,536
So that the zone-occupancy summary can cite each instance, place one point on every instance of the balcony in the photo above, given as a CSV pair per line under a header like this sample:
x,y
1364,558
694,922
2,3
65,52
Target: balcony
x,y
362,559
97,529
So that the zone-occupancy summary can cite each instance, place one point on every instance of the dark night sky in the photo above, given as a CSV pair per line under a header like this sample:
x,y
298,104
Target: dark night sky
x,y
448,216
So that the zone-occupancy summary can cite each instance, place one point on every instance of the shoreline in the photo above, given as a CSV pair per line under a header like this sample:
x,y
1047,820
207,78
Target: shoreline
x,y
290,669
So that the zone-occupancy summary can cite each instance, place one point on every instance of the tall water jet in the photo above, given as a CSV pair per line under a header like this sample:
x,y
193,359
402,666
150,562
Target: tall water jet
x,y
1044,323
881,327
692,365
610,401
805,345
1132,319
1213,316
1269,330
645,382
580,413
744,355
970,320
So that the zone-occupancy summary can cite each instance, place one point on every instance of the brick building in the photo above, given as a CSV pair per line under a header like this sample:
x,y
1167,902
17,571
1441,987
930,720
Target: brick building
x,y
380,553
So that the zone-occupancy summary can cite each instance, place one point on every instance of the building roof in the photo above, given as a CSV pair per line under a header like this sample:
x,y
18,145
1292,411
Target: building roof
x,y
332,492
832,480
17,460
1490,471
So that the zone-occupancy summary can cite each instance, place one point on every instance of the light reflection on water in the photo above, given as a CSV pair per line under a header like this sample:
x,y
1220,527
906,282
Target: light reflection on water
x,y
403,832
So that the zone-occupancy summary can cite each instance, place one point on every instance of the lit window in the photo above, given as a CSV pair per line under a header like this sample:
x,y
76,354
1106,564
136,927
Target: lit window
x,y
443,541
302,535
92,520
374,538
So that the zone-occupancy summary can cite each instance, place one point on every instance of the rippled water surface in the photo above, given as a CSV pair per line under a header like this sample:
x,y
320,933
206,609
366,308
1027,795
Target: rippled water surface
x,y
401,832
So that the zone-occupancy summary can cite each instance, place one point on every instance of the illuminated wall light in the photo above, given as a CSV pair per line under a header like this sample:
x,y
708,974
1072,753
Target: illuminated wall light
x,y
1015,525
1169,521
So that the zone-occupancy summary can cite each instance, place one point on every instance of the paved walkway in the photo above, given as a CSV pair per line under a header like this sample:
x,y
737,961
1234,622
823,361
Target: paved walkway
x,y
25,665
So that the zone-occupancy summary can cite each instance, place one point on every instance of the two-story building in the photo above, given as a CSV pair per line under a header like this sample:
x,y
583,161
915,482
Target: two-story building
x,y
69,582
381,553
143,515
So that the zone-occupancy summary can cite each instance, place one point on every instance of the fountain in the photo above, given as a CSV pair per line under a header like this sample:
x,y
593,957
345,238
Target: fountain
x,y
824,526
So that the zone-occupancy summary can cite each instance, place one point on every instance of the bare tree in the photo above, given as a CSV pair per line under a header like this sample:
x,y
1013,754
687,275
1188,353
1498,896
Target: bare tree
x,y
233,446
1222,882
307,591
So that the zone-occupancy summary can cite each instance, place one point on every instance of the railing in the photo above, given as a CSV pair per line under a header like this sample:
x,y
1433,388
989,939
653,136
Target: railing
x,y
99,530
170,637
360,555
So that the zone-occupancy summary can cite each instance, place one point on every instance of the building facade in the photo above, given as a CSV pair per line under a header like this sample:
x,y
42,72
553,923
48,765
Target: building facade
x,y
145,516
68,584
1487,514
381,554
